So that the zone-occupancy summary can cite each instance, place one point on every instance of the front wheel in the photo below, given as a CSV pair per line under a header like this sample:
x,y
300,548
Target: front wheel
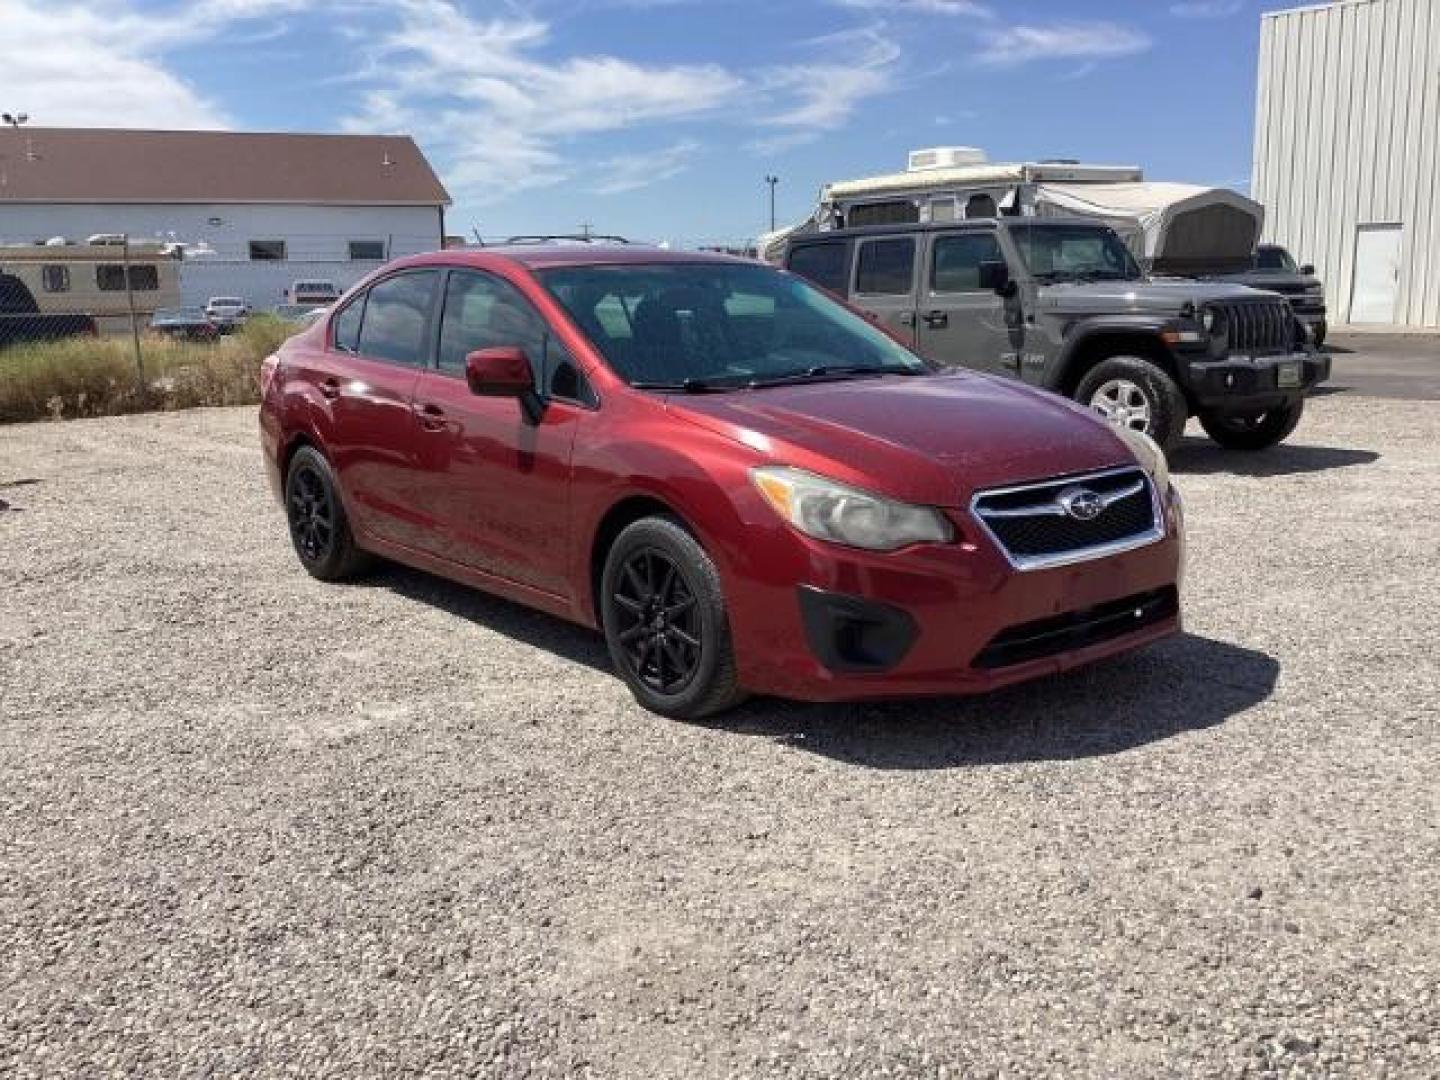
x,y
1253,431
1133,392
665,621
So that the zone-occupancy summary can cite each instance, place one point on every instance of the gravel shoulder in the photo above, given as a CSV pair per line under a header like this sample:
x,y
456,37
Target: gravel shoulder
x,y
255,825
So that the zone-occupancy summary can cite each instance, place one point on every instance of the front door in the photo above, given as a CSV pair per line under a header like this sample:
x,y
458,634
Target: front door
x,y
884,282
1377,274
496,481
960,324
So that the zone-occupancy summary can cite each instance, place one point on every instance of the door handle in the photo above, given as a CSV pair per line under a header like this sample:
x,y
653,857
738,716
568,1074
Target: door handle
x,y
937,320
431,416
330,388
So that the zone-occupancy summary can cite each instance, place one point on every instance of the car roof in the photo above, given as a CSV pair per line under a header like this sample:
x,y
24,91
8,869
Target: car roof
x,y
550,256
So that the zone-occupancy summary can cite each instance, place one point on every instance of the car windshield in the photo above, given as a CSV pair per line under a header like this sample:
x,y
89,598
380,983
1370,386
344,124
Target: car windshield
x,y
715,326
1074,253
1274,258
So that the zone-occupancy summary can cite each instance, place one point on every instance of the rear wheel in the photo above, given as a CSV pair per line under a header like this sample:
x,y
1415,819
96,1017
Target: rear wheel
x,y
665,621
318,526
1134,392
1253,431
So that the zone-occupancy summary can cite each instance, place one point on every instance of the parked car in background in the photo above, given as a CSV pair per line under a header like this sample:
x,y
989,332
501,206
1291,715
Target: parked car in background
x,y
21,320
312,316
227,312
311,293
190,324
744,484
1275,269
1061,303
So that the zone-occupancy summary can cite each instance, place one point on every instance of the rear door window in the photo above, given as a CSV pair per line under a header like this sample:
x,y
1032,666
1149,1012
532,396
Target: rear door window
x,y
886,267
397,313
822,264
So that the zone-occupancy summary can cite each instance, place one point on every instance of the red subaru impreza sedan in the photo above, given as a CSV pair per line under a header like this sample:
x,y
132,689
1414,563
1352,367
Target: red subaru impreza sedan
x,y
744,483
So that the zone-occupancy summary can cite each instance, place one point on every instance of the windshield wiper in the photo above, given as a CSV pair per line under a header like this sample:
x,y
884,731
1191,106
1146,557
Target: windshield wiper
x,y
834,371
684,386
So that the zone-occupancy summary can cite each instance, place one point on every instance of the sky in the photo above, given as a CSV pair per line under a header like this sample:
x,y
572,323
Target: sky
x,y
660,119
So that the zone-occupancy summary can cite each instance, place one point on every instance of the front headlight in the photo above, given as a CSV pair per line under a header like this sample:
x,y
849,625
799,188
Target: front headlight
x,y
1207,319
1148,453
830,510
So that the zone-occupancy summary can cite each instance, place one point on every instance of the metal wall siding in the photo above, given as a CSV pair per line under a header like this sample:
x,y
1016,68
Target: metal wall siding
x,y
1347,132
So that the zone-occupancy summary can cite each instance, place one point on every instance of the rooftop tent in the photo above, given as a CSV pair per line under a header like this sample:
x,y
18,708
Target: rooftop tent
x,y
1172,228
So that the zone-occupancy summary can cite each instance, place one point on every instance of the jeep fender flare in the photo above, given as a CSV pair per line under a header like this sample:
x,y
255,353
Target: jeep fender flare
x,y
1070,366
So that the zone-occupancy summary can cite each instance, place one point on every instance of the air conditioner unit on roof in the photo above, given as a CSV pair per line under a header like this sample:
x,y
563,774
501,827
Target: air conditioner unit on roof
x,y
945,157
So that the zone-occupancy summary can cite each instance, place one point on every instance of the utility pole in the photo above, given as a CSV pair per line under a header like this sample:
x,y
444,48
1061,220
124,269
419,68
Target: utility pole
x,y
585,228
772,181
134,324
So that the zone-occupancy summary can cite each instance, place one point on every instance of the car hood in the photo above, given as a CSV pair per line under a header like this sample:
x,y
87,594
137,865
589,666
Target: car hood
x,y
1137,297
1275,280
931,439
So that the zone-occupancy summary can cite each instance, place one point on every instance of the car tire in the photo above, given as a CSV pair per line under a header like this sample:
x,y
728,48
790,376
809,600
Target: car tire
x,y
665,621
1253,431
319,529
1138,393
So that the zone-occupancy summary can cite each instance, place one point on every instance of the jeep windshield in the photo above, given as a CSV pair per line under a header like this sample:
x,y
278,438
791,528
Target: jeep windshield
x,y
1073,252
699,327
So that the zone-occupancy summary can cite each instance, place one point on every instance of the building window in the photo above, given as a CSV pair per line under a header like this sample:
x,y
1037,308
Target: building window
x,y
55,278
110,277
267,250
367,250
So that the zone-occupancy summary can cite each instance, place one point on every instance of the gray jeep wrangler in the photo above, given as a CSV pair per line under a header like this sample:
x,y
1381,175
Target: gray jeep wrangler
x,y
1062,304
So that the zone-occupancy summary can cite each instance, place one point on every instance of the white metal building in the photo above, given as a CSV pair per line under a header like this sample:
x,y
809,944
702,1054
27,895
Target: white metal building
x,y
1347,152
270,208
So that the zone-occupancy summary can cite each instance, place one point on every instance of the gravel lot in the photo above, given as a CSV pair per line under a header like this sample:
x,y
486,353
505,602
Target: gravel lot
x,y
255,825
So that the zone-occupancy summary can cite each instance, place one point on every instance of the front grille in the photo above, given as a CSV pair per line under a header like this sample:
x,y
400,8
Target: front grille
x,y
1077,629
1256,326
1045,524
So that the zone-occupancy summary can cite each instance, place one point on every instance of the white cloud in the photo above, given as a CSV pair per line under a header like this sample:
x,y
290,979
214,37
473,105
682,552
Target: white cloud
x,y
73,66
925,7
1206,9
818,96
630,172
1061,41
481,94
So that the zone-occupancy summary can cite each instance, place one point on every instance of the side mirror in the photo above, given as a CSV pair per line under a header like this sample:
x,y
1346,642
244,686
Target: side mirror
x,y
995,275
499,372
1308,269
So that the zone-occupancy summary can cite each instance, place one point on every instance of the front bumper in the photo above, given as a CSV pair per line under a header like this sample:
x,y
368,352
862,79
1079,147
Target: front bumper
x,y
1234,385
942,620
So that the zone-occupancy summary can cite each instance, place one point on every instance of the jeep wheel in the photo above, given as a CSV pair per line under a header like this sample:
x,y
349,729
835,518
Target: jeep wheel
x,y
1136,393
1253,431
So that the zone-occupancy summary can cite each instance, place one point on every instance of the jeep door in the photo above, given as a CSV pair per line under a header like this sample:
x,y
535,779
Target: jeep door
x,y
960,323
883,282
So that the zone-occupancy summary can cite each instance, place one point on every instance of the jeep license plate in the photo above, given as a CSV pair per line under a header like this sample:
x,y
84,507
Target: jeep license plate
x,y
1287,375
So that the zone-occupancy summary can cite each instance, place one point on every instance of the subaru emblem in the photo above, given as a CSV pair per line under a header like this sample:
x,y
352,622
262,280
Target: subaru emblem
x,y
1080,503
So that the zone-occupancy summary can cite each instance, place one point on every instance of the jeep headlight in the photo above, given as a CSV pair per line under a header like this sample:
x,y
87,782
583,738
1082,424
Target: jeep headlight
x,y
1148,453
1207,319
830,510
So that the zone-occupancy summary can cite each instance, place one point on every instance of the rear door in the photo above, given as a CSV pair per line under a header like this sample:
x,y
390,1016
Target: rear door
x,y
959,323
883,282
379,341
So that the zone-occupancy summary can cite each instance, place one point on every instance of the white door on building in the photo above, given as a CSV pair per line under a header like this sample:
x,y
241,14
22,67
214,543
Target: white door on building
x,y
1377,274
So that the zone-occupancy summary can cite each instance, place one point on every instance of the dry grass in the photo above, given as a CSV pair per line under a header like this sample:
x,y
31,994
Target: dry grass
x,y
97,377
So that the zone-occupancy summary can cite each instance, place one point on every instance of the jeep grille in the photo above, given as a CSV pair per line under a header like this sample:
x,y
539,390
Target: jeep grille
x,y
1034,529
1256,326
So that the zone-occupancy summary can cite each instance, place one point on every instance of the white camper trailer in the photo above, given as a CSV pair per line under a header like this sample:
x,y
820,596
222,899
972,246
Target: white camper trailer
x,y
1171,228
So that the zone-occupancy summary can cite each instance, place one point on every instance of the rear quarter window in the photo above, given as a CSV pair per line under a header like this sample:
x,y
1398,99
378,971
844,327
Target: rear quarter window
x,y
822,264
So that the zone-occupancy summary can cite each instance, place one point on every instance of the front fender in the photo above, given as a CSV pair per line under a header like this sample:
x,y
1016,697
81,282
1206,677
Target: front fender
x,y
1142,328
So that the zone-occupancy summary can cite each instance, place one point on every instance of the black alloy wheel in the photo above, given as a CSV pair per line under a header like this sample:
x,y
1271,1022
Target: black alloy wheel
x,y
658,622
1256,430
318,526
312,518
663,611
